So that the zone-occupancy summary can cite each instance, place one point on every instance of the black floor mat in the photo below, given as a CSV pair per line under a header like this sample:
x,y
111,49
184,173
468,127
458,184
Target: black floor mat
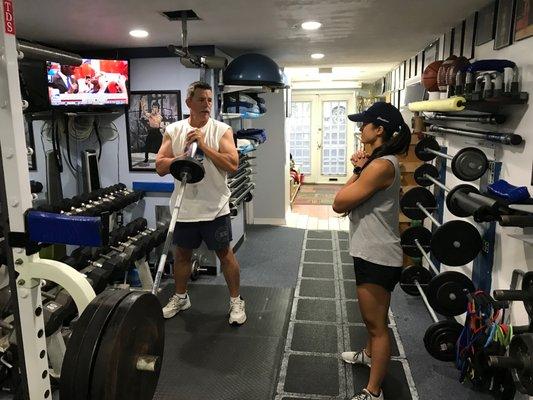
x,y
314,338
316,310
319,235
314,288
318,256
318,271
359,336
313,244
206,358
313,375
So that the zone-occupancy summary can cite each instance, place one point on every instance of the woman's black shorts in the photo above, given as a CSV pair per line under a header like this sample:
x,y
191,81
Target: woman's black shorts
x,y
383,275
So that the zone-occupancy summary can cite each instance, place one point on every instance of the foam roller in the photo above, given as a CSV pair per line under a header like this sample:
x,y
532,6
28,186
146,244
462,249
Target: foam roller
x,y
451,104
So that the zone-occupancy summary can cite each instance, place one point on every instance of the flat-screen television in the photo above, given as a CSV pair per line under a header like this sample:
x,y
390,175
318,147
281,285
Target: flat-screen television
x,y
94,83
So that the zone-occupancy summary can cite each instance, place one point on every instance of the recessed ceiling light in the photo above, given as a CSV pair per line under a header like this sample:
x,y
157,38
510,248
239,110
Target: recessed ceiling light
x,y
139,33
311,25
317,56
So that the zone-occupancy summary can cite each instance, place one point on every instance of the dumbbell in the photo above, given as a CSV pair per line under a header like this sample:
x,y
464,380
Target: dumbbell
x,y
468,164
457,199
196,269
447,292
453,243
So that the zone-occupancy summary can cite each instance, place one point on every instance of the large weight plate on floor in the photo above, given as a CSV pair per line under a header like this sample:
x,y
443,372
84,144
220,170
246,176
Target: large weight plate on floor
x,y
422,171
411,274
447,293
409,200
456,243
407,240
453,204
469,164
83,345
527,285
440,339
426,143
135,328
521,347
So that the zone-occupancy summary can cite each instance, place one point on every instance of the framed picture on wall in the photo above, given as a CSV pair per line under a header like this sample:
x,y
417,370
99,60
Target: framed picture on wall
x,y
420,62
402,75
414,71
430,53
486,24
448,44
504,24
148,115
30,141
524,19
469,36
458,36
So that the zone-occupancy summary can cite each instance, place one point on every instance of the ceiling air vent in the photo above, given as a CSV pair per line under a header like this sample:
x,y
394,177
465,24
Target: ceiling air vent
x,y
177,15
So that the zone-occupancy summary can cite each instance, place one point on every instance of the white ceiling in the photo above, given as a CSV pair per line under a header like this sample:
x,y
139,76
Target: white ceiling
x,y
354,32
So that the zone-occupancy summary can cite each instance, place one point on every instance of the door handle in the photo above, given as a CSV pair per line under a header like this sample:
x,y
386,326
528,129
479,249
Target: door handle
x,y
319,146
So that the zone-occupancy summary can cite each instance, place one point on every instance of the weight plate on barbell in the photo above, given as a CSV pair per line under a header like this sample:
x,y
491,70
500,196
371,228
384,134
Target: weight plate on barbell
x,y
427,143
521,347
411,274
408,203
527,285
194,168
407,240
135,329
448,293
440,339
456,243
83,345
469,164
453,204
426,169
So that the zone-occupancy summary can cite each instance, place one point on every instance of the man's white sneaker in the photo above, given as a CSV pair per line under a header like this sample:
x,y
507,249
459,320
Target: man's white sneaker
x,y
237,315
356,357
175,305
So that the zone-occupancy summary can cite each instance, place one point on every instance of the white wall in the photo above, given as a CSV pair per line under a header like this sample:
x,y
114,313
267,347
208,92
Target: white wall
x,y
271,195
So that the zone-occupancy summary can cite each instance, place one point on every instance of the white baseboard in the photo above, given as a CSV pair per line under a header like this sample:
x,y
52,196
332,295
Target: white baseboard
x,y
269,221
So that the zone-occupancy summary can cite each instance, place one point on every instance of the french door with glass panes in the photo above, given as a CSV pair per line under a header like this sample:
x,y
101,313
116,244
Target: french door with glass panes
x,y
321,136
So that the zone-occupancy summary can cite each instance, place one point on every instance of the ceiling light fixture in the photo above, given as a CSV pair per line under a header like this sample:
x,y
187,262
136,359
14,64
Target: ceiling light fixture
x,y
317,56
311,25
139,33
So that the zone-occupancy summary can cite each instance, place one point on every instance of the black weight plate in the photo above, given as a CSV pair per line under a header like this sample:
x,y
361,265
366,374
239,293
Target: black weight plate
x,y
194,168
80,352
456,243
407,240
469,164
522,347
426,143
440,339
412,273
451,200
426,169
447,293
195,273
409,200
136,328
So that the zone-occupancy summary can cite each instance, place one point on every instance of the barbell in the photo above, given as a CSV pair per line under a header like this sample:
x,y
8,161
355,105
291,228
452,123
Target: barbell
x,y
453,243
469,164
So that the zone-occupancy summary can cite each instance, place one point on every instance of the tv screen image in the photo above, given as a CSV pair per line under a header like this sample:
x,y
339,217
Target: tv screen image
x,y
93,83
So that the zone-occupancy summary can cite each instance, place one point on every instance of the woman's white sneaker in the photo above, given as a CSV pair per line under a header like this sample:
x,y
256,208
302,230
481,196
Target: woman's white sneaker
x,y
357,357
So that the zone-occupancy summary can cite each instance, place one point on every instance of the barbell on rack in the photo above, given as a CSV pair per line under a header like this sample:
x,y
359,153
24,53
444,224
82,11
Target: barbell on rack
x,y
453,243
447,291
469,164
458,200
440,337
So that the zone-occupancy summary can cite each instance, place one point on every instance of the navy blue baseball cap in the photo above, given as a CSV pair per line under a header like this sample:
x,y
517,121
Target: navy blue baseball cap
x,y
380,113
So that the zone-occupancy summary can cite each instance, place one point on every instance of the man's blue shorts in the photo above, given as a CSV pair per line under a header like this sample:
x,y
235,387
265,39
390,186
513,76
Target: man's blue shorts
x,y
216,233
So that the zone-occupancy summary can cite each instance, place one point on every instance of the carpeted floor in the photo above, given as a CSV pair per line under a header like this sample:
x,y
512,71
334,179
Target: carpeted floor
x,y
316,194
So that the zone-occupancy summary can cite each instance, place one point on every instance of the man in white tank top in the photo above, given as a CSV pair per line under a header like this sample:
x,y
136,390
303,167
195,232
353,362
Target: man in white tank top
x,y
204,212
